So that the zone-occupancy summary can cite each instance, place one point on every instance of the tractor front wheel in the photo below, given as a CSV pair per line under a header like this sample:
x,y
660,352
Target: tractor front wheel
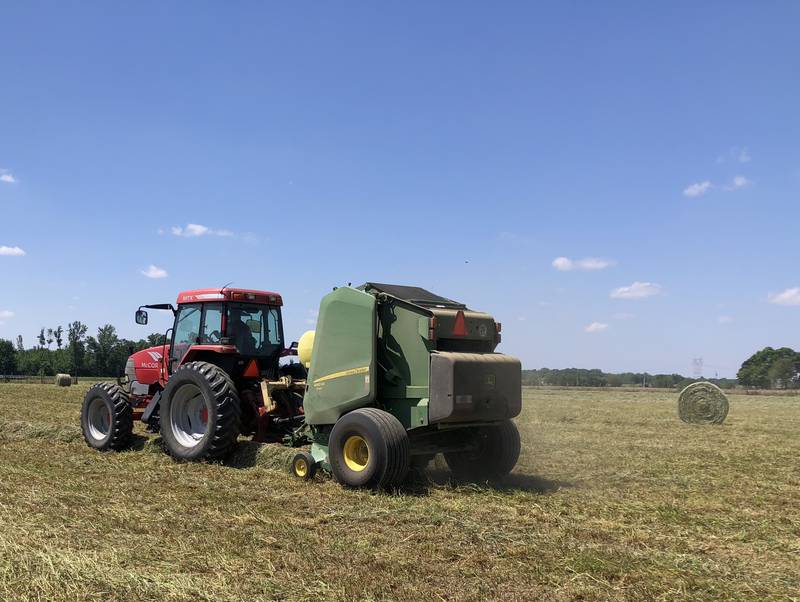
x,y
369,448
200,413
107,417
496,452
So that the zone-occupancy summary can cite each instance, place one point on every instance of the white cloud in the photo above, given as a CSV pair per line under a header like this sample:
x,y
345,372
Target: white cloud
x,y
195,230
737,154
725,319
155,272
637,290
565,264
738,182
11,251
6,313
7,177
697,189
596,327
791,296
743,156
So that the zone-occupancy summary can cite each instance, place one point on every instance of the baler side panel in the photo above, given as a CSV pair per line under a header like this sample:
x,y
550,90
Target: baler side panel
x,y
404,356
342,376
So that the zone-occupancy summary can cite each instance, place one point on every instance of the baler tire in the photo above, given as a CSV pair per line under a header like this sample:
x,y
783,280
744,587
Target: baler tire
x,y
107,417
304,467
388,448
496,454
223,413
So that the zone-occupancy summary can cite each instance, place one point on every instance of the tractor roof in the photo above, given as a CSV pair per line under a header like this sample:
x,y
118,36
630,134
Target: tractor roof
x,y
230,294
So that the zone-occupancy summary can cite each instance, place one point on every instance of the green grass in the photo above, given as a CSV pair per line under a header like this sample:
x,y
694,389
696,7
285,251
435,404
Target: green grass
x,y
613,498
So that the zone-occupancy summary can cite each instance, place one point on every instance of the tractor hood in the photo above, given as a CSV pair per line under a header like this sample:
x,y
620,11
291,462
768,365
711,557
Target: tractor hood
x,y
145,366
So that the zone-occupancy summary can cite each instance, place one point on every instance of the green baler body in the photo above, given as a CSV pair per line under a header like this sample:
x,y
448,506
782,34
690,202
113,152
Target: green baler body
x,y
374,348
342,376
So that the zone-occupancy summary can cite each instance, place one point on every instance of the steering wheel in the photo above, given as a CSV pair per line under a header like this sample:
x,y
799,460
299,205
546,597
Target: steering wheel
x,y
214,337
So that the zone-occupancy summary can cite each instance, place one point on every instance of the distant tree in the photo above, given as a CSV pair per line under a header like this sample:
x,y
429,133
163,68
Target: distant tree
x,y
58,333
755,371
155,339
781,372
8,357
75,335
42,338
102,349
20,344
50,337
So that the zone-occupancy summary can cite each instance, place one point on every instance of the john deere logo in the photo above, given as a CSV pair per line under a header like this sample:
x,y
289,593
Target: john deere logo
x,y
490,380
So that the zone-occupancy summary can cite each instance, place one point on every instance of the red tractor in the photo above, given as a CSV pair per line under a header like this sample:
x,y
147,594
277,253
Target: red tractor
x,y
217,375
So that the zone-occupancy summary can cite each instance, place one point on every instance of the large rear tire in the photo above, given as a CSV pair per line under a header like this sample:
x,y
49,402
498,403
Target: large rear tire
x,y
200,413
496,453
107,417
369,448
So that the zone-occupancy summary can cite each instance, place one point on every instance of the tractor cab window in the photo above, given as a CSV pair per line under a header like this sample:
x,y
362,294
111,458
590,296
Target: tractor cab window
x,y
255,329
212,324
187,329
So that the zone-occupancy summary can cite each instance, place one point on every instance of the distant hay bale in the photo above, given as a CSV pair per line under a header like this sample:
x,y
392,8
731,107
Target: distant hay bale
x,y
702,403
63,380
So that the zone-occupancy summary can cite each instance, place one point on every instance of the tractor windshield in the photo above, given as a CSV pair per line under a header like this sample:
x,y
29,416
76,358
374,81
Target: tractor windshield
x,y
255,329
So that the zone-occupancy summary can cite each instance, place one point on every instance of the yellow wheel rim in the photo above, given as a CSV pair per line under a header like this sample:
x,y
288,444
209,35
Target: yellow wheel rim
x,y
300,468
356,453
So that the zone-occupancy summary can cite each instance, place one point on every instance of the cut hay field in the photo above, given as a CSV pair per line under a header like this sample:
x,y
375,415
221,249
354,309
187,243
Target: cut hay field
x,y
614,498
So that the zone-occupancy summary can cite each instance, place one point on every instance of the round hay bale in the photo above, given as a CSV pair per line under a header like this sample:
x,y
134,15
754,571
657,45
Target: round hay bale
x,y
63,380
702,403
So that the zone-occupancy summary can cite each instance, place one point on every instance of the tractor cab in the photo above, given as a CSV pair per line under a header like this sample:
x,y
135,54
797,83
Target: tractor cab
x,y
239,330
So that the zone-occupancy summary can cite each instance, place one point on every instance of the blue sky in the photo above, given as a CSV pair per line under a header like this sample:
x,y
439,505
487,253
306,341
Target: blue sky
x,y
617,183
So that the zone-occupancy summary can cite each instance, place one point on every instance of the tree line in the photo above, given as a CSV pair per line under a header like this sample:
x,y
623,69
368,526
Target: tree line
x,y
72,352
580,377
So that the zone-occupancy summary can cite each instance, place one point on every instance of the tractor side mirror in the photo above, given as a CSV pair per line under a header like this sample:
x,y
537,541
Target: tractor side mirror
x,y
141,317
293,345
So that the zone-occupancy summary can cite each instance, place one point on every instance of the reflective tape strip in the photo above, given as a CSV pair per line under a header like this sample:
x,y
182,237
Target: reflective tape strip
x,y
351,372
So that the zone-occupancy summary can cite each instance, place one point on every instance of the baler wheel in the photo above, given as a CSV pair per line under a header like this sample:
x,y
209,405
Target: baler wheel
x,y
497,452
107,417
200,413
303,466
369,448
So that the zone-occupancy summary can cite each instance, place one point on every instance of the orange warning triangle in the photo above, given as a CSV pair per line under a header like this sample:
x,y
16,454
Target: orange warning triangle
x,y
460,326
252,370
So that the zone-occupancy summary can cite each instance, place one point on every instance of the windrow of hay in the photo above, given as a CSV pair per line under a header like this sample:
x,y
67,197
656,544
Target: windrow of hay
x,y
63,380
702,403
17,430
269,455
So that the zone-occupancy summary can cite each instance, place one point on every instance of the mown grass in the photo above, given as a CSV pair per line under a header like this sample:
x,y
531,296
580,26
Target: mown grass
x,y
613,498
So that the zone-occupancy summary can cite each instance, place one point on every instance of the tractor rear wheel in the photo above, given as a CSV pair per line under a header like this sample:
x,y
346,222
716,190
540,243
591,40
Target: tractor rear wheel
x,y
200,413
497,452
369,448
107,417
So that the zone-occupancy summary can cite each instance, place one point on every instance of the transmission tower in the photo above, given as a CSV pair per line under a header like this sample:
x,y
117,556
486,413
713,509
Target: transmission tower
x,y
697,367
